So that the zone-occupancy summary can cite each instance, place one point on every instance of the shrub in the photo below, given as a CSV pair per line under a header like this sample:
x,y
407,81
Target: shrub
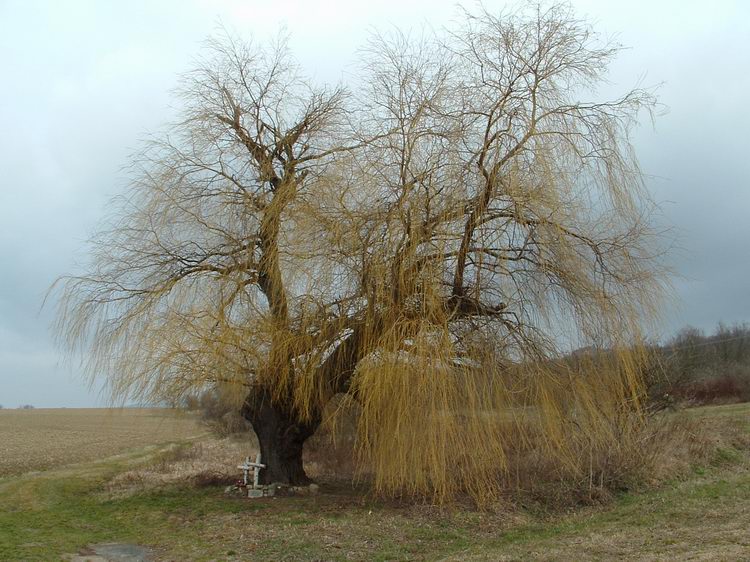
x,y
722,389
218,413
694,368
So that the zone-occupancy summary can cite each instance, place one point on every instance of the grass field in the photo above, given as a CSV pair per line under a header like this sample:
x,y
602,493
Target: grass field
x,y
704,515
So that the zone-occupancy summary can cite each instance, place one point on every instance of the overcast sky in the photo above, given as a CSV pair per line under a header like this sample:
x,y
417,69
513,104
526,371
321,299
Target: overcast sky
x,y
82,82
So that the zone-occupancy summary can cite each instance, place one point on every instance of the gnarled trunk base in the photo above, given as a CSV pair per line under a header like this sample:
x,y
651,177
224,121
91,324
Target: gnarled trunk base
x,y
281,437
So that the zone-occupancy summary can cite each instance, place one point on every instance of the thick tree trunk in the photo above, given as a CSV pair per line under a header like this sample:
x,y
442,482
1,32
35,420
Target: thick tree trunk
x,y
281,437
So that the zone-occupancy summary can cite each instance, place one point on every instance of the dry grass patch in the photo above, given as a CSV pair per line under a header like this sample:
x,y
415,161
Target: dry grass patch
x,y
205,462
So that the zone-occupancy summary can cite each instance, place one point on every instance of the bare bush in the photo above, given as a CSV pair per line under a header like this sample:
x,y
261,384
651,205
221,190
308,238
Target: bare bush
x,y
219,413
694,368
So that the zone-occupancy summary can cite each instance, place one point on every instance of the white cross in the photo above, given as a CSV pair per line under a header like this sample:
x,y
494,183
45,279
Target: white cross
x,y
254,466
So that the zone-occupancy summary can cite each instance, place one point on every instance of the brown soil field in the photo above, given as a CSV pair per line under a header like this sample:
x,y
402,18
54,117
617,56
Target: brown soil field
x,y
32,440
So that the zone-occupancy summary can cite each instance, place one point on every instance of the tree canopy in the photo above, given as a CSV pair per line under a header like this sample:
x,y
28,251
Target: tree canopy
x,y
428,240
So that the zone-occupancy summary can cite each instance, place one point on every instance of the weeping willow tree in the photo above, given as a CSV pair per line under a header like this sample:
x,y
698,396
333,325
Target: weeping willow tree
x,y
426,241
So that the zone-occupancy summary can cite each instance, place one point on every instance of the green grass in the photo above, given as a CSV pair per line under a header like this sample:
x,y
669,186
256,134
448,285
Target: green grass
x,y
43,516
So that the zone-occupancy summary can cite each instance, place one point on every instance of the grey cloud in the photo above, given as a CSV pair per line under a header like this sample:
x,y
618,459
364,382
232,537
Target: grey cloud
x,y
82,81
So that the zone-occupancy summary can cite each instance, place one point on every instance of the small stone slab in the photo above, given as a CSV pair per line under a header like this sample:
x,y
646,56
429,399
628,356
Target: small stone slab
x,y
286,490
310,490
262,492
112,552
